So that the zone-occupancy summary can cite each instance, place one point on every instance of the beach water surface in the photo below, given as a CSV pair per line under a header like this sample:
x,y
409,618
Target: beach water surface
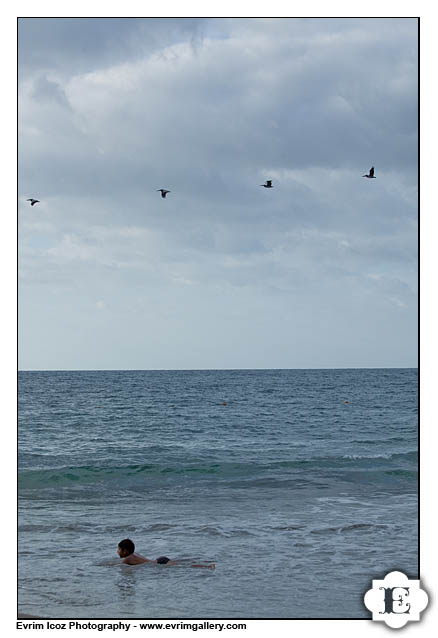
x,y
301,485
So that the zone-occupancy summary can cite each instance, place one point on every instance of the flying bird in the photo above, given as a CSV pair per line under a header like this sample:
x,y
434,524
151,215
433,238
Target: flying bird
x,y
371,173
163,192
268,184
33,201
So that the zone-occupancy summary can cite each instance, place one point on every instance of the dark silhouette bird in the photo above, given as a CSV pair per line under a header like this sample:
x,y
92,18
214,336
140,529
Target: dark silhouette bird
x,y
33,201
370,174
163,192
268,184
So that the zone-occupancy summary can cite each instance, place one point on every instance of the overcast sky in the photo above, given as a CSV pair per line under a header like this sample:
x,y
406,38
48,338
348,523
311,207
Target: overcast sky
x,y
319,271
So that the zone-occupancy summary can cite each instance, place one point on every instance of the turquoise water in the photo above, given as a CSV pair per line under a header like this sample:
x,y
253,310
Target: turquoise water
x,y
300,498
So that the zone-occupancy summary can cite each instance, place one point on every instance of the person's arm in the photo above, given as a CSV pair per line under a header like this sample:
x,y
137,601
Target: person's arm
x,y
212,566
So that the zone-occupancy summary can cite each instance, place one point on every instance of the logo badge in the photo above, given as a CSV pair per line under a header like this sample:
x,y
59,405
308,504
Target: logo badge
x,y
396,600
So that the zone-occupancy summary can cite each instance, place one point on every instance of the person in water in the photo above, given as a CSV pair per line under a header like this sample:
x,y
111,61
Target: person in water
x,y
126,551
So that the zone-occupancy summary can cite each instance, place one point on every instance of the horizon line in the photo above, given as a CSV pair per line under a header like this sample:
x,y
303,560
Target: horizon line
x,y
407,367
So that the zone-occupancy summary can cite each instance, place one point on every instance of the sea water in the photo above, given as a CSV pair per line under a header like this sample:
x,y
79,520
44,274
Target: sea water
x,y
300,485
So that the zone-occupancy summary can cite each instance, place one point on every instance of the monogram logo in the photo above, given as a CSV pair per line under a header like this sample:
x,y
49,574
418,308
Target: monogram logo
x,y
396,600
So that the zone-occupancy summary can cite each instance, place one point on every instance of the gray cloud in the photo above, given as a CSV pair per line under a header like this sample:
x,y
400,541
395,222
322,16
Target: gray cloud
x,y
79,45
111,110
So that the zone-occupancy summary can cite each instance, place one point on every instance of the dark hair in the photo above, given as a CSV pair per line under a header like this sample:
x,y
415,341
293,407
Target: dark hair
x,y
127,545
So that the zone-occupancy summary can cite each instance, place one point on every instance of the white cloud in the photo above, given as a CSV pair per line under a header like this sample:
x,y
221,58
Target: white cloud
x,y
209,110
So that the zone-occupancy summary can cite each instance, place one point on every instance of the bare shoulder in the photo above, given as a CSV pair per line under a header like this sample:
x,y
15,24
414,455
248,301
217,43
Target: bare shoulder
x,y
127,561
135,559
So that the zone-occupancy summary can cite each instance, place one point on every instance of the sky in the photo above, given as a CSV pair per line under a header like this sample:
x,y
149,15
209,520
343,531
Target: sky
x,y
321,271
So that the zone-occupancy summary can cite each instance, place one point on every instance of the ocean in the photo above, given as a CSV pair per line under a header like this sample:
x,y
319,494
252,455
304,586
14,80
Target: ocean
x,y
300,485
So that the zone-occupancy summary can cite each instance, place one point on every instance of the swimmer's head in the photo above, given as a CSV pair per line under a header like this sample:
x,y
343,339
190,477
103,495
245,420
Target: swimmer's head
x,y
126,548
